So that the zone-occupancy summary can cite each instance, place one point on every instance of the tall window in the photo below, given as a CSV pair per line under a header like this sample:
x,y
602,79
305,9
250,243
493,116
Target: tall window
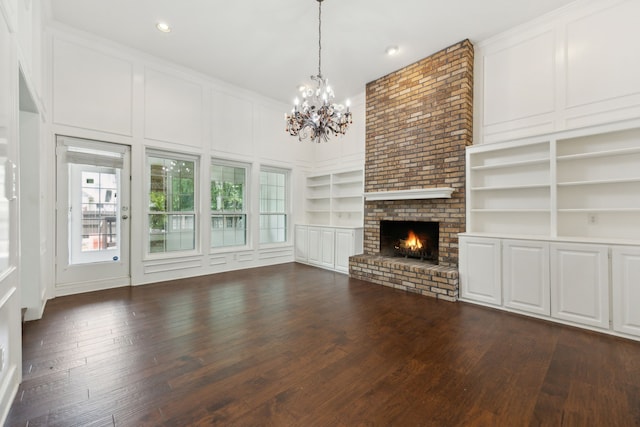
x,y
228,205
172,215
273,205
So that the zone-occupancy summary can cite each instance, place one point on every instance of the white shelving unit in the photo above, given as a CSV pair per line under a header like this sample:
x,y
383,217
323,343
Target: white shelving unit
x,y
510,189
318,199
335,199
576,187
598,185
559,216
334,217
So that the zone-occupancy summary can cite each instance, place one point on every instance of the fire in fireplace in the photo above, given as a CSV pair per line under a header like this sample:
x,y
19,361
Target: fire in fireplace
x,y
410,239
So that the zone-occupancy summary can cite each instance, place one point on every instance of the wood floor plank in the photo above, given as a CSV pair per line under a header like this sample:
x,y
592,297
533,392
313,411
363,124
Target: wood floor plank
x,y
292,345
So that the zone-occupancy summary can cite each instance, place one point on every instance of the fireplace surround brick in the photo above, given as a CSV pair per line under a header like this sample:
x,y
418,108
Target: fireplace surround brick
x,y
418,123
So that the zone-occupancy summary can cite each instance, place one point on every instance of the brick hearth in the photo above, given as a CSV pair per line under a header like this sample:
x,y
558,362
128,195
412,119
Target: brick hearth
x,y
419,121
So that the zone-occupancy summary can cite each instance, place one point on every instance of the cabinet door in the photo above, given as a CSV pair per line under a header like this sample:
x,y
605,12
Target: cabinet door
x,y
344,249
315,246
327,236
480,270
525,276
579,283
302,243
625,265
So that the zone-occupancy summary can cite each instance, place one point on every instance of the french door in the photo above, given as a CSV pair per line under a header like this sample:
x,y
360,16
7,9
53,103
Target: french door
x,y
92,201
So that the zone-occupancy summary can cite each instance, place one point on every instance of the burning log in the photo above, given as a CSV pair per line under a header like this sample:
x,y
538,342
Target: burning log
x,y
412,247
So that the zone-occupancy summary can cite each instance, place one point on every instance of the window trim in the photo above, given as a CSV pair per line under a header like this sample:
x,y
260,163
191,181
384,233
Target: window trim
x,y
246,204
287,206
172,155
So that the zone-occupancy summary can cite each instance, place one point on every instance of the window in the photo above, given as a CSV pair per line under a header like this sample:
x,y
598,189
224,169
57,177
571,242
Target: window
x,y
273,205
172,216
228,205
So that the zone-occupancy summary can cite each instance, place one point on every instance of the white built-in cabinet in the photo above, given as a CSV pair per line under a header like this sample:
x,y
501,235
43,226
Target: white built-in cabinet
x,y
580,283
558,217
327,247
321,246
625,281
348,241
480,270
334,213
525,275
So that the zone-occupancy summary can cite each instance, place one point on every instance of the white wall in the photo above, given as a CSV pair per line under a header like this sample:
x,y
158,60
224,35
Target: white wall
x,y
20,35
574,68
103,91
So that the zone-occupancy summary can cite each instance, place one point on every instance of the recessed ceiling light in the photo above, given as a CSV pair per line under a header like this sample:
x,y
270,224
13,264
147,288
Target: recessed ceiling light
x,y
392,50
164,27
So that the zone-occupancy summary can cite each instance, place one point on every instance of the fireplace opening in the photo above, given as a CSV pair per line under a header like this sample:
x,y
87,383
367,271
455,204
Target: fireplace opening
x,y
410,239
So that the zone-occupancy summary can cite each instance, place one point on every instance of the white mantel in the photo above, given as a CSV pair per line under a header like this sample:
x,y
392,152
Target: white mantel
x,y
413,194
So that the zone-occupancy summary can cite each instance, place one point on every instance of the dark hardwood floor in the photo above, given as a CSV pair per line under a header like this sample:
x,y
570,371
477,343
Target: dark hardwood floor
x,y
292,345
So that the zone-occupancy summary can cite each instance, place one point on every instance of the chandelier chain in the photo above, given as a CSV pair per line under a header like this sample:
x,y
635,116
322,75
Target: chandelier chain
x,y
320,38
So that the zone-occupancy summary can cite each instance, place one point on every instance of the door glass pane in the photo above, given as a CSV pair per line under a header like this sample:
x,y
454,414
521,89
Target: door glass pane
x,y
94,223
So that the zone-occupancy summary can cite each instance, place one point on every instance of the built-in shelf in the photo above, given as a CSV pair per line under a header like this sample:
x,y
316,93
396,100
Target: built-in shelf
x,y
335,199
511,210
511,164
603,153
413,194
582,185
600,210
510,187
599,182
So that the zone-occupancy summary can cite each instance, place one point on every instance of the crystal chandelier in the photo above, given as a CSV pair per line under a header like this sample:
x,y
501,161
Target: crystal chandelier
x,y
318,117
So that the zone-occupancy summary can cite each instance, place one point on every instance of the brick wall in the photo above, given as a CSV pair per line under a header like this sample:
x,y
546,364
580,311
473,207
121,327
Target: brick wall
x,y
418,123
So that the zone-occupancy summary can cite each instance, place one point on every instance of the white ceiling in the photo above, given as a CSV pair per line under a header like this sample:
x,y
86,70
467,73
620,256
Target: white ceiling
x,y
271,46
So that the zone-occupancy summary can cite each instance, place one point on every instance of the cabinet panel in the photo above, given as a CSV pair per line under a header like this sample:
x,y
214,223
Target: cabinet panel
x,y
525,276
302,243
480,270
625,264
344,249
321,251
315,249
348,242
579,284
327,237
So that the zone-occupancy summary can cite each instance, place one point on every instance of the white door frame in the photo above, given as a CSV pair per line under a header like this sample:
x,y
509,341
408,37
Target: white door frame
x,y
72,155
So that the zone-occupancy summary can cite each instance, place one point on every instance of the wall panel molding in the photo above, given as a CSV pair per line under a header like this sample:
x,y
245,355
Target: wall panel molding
x,y
573,68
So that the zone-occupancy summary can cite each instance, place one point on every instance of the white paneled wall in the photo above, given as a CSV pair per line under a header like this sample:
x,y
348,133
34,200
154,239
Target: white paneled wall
x,y
106,92
574,68
91,89
229,118
173,109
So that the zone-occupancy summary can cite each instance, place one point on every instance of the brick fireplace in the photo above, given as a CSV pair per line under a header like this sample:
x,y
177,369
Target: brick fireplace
x,y
418,121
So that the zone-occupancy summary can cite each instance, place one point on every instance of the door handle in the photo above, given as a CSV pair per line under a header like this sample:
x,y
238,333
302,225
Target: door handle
x,y
125,216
